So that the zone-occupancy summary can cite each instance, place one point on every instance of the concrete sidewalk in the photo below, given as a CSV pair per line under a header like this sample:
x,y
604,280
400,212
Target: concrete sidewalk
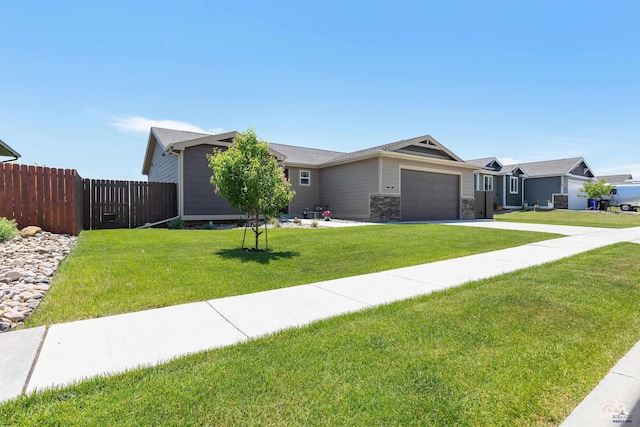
x,y
40,358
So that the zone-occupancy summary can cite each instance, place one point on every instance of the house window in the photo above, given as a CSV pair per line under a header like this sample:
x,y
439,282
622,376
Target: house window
x,y
488,183
305,178
513,185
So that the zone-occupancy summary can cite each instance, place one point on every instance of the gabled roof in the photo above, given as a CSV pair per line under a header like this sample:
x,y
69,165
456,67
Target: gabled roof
x,y
482,162
560,167
168,137
616,179
423,146
6,151
491,163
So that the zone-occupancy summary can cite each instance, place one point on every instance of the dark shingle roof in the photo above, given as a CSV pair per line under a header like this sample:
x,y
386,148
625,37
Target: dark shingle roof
x,y
167,137
304,155
293,154
548,167
482,162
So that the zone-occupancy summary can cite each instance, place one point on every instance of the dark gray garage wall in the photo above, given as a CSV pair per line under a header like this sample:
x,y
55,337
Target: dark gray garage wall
x,y
539,190
199,198
429,196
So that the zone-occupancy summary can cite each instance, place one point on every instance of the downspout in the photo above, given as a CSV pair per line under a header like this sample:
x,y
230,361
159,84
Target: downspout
x,y
11,160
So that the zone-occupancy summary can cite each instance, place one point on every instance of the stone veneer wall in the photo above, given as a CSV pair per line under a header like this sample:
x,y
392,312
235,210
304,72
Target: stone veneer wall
x,y
384,207
560,201
468,210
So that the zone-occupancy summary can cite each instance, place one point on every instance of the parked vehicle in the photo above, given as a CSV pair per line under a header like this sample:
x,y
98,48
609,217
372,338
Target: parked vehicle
x,y
626,196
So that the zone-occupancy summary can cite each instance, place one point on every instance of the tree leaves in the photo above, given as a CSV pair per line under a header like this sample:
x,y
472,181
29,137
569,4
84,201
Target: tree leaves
x,y
249,178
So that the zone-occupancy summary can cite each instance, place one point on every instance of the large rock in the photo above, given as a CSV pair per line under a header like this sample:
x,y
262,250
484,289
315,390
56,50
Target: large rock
x,y
14,316
12,275
30,231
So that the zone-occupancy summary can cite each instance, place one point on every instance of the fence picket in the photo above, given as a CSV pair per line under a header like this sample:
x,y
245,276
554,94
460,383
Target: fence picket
x,y
60,201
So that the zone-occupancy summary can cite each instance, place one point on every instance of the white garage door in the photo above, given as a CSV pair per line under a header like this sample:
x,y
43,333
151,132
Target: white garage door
x,y
575,202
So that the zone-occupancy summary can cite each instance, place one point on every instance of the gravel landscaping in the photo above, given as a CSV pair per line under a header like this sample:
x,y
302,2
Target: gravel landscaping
x,y
27,266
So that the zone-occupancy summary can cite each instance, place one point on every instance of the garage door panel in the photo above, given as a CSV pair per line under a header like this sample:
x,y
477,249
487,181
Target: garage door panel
x,y
575,201
429,195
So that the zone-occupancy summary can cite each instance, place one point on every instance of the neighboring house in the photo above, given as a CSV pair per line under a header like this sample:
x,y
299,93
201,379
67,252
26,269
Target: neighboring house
x,y
556,181
506,183
616,179
413,179
6,151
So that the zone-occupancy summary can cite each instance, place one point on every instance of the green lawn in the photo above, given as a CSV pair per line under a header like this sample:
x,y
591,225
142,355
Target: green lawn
x,y
117,271
566,217
520,349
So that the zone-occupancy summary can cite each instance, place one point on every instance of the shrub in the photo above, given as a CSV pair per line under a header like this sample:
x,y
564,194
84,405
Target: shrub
x,y
314,223
176,224
275,223
8,229
208,226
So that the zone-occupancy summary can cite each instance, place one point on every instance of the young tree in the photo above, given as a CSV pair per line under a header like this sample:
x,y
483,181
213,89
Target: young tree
x,y
595,190
249,177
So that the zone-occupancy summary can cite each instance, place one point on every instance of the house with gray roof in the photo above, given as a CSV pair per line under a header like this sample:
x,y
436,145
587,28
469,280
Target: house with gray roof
x,y
616,179
6,151
412,179
551,181
505,182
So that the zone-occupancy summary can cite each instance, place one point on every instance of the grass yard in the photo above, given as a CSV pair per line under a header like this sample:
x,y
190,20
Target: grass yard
x,y
520,349
118,271
581,218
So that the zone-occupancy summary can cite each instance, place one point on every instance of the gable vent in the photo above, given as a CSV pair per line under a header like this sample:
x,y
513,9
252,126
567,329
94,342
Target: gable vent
x,y
427,143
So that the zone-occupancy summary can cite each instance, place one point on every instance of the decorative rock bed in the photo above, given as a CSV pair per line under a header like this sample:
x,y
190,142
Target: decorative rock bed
x,y
27,266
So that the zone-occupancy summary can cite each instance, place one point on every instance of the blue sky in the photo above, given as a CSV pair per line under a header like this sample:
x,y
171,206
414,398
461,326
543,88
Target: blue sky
x,y
82,82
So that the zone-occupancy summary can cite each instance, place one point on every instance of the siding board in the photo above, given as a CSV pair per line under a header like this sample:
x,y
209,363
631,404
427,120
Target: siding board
x,y
199,196
541,189
163,168
346,188
306,195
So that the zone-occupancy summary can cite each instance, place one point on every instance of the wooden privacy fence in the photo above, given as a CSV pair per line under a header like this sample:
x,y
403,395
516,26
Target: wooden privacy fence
x,y
127,204
47,197
60,201
484,204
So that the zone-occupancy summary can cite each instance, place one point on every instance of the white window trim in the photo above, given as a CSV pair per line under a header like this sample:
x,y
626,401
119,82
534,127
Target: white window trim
x,y
307,178
487,179
513,179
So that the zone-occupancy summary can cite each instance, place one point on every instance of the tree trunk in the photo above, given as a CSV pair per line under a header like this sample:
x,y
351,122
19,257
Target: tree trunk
x,y
257,227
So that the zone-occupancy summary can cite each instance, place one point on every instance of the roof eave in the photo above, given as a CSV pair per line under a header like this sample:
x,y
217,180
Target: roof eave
x,y
285,163
148,155
552,175
10,152
404,156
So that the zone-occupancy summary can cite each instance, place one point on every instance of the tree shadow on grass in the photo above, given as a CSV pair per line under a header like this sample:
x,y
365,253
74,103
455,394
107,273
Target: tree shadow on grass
x,y
255,256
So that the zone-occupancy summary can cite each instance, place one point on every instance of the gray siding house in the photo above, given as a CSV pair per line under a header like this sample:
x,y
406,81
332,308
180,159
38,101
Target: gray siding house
x,y
505,182
413,179
551,181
